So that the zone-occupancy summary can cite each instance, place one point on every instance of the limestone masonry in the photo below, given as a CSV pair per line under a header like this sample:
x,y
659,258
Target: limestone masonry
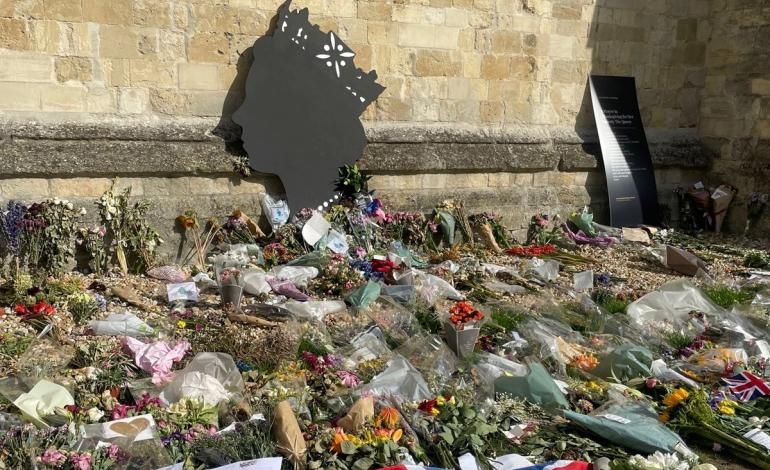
x,y
485,99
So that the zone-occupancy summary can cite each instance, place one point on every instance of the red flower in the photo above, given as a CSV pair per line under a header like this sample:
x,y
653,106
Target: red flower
x,y
43,308
383,266
428,406
21,309
532,250
463,312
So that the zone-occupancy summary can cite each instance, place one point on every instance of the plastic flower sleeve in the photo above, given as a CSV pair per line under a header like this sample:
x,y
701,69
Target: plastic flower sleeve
x,y
364,347
396,322
121,324
536,387
137,437
632,425
670,305
41,401
314,309
624,363
490,367
400,380
364,295
432,357
213,377
275,209
45,358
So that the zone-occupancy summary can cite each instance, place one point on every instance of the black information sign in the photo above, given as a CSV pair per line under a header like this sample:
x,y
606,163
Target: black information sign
x,y
627,162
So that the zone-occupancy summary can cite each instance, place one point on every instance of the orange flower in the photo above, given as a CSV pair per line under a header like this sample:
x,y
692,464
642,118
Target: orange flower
x,y
396,435
389,417
339,438
664,417
585,361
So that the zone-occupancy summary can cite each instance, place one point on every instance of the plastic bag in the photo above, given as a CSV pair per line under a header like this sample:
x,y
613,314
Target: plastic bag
x,y
213,377
396,322
255,282
536,387
584,221
364,347
315,259
299,275
168,273
671,305
491,367
432,288
136,436
632,425
364,295
287,288
45,358
121,324
431,356
275,209
314,309
401,381
624,363
404,295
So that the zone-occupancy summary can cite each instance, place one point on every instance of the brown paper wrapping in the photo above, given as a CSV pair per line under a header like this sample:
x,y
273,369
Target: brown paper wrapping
x,y
489,237
720,201
683,261
359,414
288,435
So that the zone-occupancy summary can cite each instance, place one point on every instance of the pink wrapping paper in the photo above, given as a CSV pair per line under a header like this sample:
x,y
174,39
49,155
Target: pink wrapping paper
x,y
156,358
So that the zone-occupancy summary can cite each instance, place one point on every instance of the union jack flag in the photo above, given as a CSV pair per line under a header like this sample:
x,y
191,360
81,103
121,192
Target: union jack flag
x,y
747,386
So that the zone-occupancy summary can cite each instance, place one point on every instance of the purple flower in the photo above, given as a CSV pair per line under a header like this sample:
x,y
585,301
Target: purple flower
x,y
603,279
53,458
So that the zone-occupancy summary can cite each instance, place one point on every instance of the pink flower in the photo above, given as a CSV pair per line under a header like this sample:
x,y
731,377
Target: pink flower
x,y
360,252
120,411
53,458
348,379
81,461
652,382
114,452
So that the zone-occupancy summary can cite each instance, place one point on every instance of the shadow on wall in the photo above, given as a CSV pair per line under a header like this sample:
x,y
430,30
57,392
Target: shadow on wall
x,y
226,129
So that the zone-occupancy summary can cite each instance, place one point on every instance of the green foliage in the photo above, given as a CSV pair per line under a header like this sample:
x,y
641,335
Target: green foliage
x,y
428,319
678,340
757,260
606,299
248,441
726,296
508,318
82,307
12,346
351,181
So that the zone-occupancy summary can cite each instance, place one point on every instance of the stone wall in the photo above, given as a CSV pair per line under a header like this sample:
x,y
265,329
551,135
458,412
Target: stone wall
x,y
735,109
489,92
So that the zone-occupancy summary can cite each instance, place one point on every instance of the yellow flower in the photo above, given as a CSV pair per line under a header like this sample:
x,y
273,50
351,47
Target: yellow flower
x,y
452,400
664,417
440,401
676,397
727,407
396,435
339,438
181,324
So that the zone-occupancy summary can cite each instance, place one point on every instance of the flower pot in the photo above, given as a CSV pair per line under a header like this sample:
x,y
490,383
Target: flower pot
x,y
461,342
231,294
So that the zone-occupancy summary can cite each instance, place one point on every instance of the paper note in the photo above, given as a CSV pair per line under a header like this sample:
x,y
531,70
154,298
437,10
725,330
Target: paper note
x,y
272,463
315,229
759,436
185,291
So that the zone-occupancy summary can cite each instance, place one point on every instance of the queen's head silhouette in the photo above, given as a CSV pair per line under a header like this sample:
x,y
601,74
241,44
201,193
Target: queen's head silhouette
x,y
304,96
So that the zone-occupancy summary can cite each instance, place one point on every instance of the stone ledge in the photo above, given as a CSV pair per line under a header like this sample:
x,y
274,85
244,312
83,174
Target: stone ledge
x,y
111,147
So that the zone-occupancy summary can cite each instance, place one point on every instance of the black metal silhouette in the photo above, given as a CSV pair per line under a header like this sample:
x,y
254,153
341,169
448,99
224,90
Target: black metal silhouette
x,y
304,96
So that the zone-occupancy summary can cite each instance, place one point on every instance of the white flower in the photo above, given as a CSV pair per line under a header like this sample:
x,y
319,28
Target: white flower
x,y
57,201
70,206
109,216
83,211
112,210
95,414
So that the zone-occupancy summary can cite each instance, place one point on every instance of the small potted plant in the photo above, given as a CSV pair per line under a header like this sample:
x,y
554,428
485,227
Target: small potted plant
x,y
231,287
462,329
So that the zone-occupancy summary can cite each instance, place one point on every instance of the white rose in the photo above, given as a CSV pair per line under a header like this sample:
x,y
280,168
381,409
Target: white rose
x,y
70,206
57,201
704,466
95,414
83,211
112,210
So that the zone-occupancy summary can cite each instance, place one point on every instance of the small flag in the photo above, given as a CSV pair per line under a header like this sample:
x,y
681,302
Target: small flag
x,y
747,386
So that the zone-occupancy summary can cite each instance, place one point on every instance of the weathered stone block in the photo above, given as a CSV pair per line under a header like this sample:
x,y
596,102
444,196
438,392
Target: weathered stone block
x,y
132,100
495,67
428,36
108,12
73,68
19,96
430,63
64,10
199,76
118,42
209,47
152,13
24,189
25,68
13,34
62,98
